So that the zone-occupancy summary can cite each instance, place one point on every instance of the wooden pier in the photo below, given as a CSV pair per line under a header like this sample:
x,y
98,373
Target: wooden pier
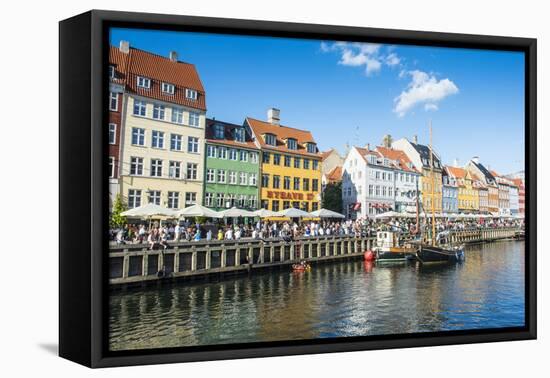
x,y
135,263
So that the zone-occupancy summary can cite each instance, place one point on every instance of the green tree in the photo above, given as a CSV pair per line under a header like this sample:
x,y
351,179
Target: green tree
x,y
119,207
332,197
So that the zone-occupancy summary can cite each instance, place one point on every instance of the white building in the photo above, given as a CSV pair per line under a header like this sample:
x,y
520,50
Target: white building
x,y
377,181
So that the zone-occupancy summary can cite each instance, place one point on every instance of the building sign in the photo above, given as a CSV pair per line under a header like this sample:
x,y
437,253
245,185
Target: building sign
x,y
290,195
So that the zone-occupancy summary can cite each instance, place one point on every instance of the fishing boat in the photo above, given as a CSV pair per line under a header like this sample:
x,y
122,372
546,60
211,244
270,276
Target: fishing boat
x,y
439,248
390,247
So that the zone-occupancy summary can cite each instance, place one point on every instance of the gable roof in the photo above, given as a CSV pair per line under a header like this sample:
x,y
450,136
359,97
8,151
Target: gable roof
x,y
398,156
281,133
228,134
335,175
424,152
457,172
160,70
488,175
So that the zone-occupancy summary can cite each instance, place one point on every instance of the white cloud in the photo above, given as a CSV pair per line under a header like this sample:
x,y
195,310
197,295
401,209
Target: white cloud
x,y
356,54
423,89
431,107
392,59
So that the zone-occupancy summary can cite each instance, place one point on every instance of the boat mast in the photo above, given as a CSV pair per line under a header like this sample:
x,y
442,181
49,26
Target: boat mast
x,y
433,185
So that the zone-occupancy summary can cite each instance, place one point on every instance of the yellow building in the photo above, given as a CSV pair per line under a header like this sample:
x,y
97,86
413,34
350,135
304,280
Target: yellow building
x,y
162,138
468,193
421,157
291,165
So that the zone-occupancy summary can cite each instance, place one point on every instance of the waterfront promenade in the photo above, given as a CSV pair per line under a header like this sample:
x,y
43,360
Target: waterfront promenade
x,y
136,264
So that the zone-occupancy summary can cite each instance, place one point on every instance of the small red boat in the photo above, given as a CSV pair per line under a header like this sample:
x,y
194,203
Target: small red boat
x,y
301,267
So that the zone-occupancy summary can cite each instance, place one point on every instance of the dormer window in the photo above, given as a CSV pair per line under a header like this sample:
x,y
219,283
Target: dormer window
x,y
191,94
168,88
218,131
291,144
270,139
386,162
143,82
372,159
311,148
238,134
112,72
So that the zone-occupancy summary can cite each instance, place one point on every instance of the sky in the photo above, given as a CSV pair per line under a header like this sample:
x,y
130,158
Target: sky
x,y
355,93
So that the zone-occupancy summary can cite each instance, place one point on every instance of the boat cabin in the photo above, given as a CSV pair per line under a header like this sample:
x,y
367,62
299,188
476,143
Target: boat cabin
x,y
387,239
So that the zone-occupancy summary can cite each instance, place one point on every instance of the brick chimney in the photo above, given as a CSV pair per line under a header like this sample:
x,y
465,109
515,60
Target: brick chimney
x,y
173,56
124,47
273,116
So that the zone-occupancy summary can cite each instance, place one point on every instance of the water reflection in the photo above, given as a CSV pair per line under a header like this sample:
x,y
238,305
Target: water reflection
x,y
338,299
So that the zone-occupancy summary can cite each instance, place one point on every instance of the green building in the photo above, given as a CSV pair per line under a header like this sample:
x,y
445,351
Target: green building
x,y
232,167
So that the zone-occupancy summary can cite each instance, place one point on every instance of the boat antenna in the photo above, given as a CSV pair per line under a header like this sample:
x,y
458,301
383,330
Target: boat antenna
x,y
433,185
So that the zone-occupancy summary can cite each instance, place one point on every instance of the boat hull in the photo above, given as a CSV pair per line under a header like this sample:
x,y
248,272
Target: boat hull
x,y
394,255
426,254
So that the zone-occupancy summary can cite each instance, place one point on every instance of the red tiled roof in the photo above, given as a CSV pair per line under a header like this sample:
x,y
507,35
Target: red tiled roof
x,y
518,182
281,133
335,174
228,135
159,69
457,172
119,60
326,154
398,156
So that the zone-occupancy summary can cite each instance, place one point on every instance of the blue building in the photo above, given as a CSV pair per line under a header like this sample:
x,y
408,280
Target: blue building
x,y
449,198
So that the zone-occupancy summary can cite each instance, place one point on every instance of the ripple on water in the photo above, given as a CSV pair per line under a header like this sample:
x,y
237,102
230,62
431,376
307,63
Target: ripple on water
x,y
333,300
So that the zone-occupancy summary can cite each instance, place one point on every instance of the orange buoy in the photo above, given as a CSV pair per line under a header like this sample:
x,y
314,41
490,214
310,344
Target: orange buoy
x,y
369,255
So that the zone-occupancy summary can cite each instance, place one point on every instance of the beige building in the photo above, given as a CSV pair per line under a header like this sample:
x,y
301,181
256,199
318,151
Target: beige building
x,y
162,144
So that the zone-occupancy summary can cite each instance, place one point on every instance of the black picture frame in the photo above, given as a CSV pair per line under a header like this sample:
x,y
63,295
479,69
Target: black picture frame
x,y
83,191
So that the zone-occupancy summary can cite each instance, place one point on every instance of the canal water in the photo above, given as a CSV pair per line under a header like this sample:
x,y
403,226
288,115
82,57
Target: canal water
x,y
350,298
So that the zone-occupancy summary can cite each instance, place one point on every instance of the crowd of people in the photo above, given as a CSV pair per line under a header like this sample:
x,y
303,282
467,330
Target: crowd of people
x,y
160,234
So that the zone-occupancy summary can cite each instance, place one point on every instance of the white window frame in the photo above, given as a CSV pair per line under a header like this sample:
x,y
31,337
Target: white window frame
x,y
156,168
210,175
143,82
159,112
178,140
194,119
243,156
221,176
292,144
254,157
270,139
192,168
191,94
137,162
173,200
233,154
111,71
112,131
243,178
177,115
157,139
208,199
134,198
252,179
174,169
168,88
112,164
154,195
140,136
222,152
189,201
193,142
211,151
113,96
232,178
141,106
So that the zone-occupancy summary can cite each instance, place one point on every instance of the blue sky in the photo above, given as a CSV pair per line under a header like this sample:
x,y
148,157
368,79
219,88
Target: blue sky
x,y
354,94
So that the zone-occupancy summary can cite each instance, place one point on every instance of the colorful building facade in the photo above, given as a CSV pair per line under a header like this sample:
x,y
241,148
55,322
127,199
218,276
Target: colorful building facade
x,y
468,196
421,157
290,164
164,116
232,167
449,199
